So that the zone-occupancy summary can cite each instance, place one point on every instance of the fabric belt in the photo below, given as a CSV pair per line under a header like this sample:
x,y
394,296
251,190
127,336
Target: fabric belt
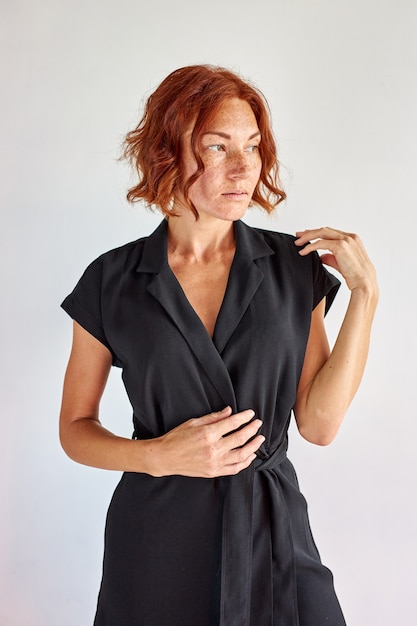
x,y
280,594
238,517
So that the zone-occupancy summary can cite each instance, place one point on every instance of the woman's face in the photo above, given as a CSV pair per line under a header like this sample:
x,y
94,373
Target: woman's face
x,y
230,153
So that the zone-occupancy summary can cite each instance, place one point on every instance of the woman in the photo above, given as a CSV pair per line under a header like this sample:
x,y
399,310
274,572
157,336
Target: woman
x,y
218,328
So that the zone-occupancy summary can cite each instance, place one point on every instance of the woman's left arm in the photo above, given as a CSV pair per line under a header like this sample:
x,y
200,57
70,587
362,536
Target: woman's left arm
x,y
330,379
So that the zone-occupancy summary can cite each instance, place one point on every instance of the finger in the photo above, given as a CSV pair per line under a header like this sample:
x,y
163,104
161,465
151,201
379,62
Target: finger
x,y
216,416
226,424
239,438
233,461
241,459
322,232
238,428
341,243
305,236
235,468
238,455
332,245
314,246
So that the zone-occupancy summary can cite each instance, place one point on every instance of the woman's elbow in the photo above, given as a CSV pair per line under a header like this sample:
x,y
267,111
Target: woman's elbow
x,y
319,430
73,437
65,440
317,438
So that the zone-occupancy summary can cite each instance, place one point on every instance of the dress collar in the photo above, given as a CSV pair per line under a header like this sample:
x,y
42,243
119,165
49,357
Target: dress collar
x,y
250,245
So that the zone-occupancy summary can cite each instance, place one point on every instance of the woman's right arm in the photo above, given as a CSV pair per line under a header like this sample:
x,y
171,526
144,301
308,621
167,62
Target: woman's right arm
x,y
199,447
82,436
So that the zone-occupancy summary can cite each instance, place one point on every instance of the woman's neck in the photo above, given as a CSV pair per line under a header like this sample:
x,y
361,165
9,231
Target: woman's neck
x,y
200,239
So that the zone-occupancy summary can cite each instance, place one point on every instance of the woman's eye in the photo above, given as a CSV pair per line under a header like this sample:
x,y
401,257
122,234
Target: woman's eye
x,y
216,147
252,148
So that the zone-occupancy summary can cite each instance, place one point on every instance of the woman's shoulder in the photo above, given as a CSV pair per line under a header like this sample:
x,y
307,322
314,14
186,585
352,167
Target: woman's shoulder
x,y
275,236
122,252
267,233
118,260
135,254
281,243
307,272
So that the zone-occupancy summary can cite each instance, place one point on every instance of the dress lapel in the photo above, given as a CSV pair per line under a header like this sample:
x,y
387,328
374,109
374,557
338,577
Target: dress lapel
x,y
244,280
166,289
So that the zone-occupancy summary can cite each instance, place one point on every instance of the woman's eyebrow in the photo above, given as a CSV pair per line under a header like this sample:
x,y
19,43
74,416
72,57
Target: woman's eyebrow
x,y
227,136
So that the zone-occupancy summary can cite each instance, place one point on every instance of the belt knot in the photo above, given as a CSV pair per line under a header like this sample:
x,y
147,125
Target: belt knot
x,y
273,459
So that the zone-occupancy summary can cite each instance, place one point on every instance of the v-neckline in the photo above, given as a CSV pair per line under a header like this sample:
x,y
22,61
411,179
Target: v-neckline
x,y
181,287
244,279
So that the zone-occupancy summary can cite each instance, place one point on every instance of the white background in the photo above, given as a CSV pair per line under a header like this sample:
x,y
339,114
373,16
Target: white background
x,y
340,77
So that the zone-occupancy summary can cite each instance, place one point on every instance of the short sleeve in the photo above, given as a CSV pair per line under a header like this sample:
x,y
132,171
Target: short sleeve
x,y
325,284
84,303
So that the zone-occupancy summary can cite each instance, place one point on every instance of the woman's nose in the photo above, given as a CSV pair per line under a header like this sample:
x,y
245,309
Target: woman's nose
x,y
238,163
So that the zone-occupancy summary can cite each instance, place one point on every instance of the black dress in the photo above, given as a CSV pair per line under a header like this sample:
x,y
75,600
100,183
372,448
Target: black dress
x,y
230,551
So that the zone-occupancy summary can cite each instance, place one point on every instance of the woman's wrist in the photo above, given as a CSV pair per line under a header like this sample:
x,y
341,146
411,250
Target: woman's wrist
x,y
367,293
147,457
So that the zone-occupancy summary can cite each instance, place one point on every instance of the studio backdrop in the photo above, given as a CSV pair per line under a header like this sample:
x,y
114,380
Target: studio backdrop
x,y
340,78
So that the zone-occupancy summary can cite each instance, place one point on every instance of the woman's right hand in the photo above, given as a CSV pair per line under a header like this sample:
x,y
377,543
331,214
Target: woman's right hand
x,y
202,447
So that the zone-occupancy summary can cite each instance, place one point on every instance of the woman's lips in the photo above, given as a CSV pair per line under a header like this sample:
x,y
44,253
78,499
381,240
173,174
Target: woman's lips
x,y
235,195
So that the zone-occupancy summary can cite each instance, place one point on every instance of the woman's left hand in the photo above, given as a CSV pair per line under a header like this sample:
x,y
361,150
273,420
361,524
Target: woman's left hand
x,y
346,254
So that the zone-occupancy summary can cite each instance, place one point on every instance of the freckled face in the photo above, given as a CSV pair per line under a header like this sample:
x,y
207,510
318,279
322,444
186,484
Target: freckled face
x,y
230,153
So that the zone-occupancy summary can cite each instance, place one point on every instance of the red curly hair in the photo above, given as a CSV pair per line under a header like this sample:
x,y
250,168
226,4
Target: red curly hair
x,y
190,93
